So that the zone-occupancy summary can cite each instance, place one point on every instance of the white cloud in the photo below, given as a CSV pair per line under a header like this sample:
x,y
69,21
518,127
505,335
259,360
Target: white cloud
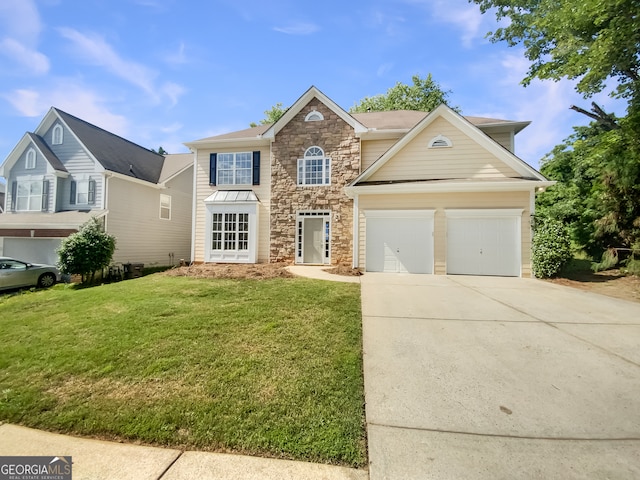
x,y
299,28
71,97
21,20
34,61
97,51
178,58
173,91
459,13
384,69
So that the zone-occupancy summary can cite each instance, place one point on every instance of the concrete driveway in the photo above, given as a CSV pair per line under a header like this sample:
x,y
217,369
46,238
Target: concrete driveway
x,y
499,378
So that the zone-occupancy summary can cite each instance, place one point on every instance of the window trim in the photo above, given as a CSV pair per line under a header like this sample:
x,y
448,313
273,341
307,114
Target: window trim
x,y
244,255
30,160
314,116
57,131
165,208
30,197
311,155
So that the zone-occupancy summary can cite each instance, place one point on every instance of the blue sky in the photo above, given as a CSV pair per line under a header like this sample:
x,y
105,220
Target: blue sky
x,y
163,72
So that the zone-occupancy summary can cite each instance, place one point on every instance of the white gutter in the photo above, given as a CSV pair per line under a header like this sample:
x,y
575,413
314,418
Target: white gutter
x,y
444,187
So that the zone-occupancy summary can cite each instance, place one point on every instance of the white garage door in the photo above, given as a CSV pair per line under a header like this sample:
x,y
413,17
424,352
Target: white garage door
x,y
32,250
399,241
484,242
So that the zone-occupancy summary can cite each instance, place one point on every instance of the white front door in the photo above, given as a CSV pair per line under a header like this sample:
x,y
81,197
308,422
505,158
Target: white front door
x,y
313,238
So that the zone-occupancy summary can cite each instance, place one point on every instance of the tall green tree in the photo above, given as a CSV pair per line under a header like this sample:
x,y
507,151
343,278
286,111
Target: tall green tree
x,y
597,44
86,251
591,41
271,116
424,94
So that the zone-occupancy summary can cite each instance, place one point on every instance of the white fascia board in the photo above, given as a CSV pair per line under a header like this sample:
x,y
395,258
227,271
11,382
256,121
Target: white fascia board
x,y
448,187
302,101
258,141
386,134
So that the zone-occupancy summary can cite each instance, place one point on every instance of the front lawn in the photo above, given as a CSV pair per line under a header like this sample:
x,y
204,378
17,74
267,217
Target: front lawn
x,y
265,367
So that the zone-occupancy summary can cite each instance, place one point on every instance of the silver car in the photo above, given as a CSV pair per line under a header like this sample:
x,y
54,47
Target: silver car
x,y
16,274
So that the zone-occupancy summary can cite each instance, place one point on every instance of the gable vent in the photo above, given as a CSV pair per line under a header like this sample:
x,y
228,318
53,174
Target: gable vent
x,y
440,142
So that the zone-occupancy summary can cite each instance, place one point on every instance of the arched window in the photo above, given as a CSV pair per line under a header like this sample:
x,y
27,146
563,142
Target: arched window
x,y
314,116
30,163
314,168
440,142
57,135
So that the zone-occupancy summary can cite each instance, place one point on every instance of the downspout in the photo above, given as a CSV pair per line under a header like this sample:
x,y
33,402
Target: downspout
x,y
356,232
105,199
194,196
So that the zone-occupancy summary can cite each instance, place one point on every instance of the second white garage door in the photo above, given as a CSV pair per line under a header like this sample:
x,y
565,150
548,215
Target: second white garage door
x,y
484,242
399,241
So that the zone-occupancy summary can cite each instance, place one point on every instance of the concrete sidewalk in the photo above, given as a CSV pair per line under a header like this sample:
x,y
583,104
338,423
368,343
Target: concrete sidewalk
x,y
100,460
500,378
319,272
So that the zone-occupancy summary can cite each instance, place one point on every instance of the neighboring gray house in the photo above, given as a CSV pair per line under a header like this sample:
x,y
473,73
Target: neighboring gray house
x,y
69,170
2,190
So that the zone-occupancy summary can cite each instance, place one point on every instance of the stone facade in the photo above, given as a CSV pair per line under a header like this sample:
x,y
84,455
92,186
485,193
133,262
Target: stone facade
x,y
339,142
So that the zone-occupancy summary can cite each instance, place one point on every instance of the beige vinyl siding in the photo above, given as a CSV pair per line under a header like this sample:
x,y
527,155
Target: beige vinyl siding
x,y
503,138
134,219
374,149
204,190
465,159
440,202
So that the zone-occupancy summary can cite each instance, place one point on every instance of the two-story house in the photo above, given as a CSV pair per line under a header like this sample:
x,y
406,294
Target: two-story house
x,y
68,171
398,191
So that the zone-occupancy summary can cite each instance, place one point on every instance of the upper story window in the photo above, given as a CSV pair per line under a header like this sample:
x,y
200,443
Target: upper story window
x,y
241,168
314,116
314,168
165,207
83,192
440,142
57,135
30,163
28,196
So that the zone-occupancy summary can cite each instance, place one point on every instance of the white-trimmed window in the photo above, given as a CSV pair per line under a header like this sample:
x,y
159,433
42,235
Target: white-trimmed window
x,y
57,135
440,142
83,192
30,162
314,168
29,196
235,168
165,207
314,116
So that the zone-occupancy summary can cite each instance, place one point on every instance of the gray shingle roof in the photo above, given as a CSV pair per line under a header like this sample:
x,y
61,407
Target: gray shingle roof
x,y
51,157
115,153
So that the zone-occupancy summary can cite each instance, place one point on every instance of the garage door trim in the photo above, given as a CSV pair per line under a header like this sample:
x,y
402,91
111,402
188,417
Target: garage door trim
x,y
422,261
481,267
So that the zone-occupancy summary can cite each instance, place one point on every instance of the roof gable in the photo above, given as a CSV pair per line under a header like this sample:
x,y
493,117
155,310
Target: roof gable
x,y
114,153
503,164
304,100
31,139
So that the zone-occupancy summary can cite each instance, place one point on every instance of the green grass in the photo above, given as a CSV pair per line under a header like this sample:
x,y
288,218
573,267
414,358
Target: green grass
x,y
264,367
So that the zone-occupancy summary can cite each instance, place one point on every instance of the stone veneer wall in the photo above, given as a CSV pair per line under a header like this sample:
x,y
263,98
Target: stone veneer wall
x,y
339,143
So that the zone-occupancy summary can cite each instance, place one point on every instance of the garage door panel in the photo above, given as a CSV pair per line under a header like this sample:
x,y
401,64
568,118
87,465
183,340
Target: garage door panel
x,y
399,244
483,245
32,250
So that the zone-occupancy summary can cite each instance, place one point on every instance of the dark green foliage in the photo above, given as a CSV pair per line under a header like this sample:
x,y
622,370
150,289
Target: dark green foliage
x,y
551,249
85,252
424,95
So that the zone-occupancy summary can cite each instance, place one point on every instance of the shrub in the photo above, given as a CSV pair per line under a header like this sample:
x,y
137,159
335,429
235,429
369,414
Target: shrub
x,y
551,248
85,252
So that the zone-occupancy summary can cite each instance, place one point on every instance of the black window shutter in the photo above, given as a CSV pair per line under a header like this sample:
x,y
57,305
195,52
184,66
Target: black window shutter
x,y
213,158
14,193
72,197
256,168
45,195
92,192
